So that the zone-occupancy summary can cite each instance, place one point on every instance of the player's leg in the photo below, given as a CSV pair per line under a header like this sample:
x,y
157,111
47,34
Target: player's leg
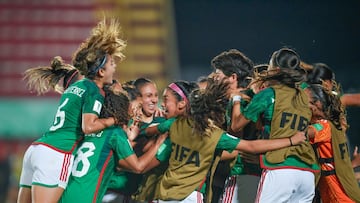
x,y
43,194
24,194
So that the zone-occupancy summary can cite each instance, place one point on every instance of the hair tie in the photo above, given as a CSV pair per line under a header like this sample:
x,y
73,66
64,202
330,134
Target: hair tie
x,y
178,90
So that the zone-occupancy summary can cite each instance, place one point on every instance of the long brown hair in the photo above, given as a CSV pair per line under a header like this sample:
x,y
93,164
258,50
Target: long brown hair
x,y
331,104
208,107
116,105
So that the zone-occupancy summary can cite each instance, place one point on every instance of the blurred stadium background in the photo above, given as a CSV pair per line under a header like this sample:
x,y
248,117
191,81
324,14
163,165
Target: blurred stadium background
x,y
167,40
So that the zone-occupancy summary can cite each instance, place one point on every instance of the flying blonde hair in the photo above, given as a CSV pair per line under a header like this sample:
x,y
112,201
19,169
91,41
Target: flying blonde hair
x,y
104,38
42,79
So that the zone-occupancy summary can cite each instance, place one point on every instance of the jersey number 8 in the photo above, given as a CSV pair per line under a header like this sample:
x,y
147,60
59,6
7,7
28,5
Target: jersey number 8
x,y
82,157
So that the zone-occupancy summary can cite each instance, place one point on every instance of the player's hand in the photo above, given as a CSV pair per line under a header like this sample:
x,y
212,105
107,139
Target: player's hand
x,y
132,131
298,138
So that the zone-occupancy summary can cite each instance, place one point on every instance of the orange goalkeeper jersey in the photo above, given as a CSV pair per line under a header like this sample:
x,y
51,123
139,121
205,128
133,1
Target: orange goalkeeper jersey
x,y
330,187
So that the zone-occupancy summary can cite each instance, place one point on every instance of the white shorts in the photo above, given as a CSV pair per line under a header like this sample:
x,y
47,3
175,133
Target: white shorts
x,y
45,167
193,197
286,185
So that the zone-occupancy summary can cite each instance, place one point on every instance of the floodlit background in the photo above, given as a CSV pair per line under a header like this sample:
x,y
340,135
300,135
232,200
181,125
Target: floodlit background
x,y
167,40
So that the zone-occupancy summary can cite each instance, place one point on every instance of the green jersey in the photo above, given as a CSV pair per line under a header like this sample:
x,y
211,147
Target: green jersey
x,y
95,163
250,132
127,182
84,96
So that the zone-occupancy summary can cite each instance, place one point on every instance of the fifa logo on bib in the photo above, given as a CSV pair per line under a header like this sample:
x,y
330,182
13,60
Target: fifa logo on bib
x,y
185,154
295,121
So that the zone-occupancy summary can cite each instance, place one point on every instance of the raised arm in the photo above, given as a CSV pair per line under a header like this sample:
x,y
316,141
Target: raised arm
x,y
350,99
238,121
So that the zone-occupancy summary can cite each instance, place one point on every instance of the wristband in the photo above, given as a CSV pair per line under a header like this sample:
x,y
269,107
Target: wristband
x,y
291,144
236,98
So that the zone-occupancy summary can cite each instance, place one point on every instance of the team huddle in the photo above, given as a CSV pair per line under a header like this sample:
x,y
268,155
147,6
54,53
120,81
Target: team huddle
x,y
272,132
